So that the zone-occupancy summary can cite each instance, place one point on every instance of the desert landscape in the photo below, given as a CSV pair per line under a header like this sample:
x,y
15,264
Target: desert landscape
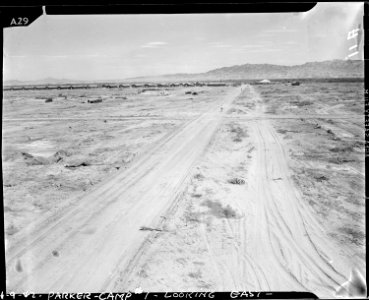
x,y
186,152
221,186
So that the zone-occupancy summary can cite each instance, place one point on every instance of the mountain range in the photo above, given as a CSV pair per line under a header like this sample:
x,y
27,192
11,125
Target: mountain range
x,y
324,69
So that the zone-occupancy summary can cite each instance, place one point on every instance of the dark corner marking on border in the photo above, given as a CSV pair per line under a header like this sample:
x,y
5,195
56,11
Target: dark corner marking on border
x,y
21,16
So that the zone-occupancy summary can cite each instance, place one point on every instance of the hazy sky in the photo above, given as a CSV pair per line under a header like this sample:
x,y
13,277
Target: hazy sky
x,y
102,47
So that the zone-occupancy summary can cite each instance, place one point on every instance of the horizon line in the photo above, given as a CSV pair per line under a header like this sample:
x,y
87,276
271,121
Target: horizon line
x,y
175,74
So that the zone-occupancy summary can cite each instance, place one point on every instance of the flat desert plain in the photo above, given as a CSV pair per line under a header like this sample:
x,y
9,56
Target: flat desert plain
x,y
248,187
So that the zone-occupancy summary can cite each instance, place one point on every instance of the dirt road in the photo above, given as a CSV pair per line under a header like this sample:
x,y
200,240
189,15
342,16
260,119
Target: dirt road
x,y
83,248
277,245
273,243
288,249
282,247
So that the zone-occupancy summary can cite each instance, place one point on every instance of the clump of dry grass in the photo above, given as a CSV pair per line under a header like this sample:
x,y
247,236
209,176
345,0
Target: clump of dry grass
x,y
195,195
282,131
193,217
238,133
199,176
355,236
341,149
219,211
340,160
32,160
195,275
302,103
238,181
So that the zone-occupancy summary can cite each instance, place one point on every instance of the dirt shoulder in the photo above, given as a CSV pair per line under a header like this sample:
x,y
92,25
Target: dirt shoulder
x,y
326,154
257,213
109,221
55,152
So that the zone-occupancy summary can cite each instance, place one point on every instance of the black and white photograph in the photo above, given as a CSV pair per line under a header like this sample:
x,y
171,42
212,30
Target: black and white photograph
x,y
186,152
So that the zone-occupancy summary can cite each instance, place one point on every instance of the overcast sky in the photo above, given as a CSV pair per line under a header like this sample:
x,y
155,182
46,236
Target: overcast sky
x,y
103,47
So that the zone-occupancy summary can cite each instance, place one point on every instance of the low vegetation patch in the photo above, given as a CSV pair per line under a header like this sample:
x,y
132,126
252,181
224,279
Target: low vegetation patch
x,y
32,160
238,181
340,160
199,176
193,217
238,133
219,211
345,148
302,103
355,236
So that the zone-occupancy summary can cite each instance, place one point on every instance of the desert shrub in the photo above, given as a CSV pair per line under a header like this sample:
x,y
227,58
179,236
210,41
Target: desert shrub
x,y
199,176
302,103
60,155
94,100
283,131
330,131
34,160
236,181
239,133
347,148
196,195
219,211
321,177
229,212
195,275
356,236
339,160
358,144
192,217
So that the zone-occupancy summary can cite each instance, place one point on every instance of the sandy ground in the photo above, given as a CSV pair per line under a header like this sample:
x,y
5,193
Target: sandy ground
x,y
95,221
238,198
284,229
53,153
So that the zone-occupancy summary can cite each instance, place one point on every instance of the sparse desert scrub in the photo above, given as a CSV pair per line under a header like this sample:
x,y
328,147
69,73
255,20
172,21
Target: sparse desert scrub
x,y
208,204
330,176
313,97
326,155
238,132
49,159
220,211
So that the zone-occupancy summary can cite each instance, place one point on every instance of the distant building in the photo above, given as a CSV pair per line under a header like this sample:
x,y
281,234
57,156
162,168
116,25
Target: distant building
x,y
17,88
216,84
79,86
264,81
124,85
64,87
137,85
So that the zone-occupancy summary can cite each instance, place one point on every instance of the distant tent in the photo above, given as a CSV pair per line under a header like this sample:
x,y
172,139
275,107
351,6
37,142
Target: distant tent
x,y
265,81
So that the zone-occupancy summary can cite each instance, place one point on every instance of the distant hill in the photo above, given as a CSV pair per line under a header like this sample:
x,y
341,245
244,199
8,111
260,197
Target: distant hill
x,y
324,69
48,80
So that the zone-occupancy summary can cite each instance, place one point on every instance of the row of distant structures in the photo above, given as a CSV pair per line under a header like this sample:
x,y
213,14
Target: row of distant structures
x,y
110,86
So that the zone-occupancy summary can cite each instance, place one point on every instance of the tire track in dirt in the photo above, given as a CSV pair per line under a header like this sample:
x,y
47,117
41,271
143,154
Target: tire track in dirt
x,y
278,243
294,245
103,228
131,174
